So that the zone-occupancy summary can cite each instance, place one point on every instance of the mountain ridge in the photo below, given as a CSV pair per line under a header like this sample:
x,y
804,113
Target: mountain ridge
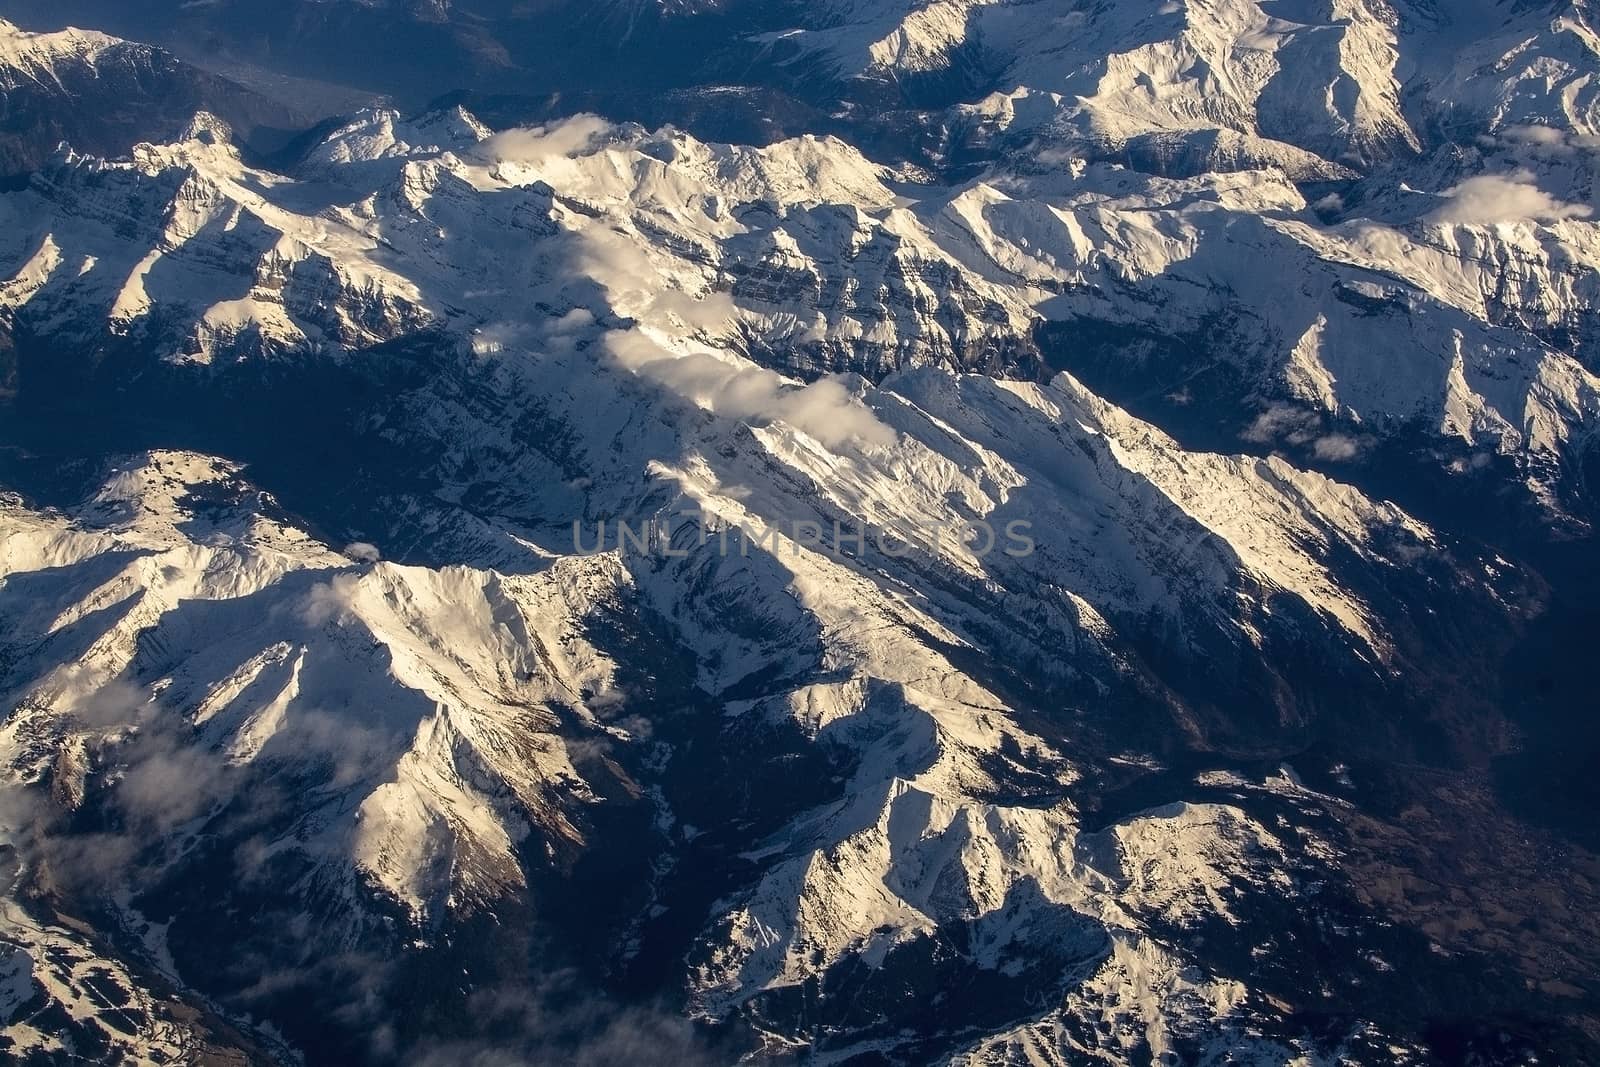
x,y
303,652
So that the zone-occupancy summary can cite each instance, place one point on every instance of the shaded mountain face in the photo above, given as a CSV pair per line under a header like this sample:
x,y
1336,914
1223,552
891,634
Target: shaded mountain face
x,y
430,48
105,95
1109,543
1313,86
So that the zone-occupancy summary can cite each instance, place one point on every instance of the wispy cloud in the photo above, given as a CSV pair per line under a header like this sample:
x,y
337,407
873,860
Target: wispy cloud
x,y
826,410
733,387
1493,198
535,144
1286,425
1336,446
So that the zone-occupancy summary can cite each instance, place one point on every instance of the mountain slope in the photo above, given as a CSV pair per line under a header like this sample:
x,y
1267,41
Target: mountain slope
x,y
859,274
595,593
105,95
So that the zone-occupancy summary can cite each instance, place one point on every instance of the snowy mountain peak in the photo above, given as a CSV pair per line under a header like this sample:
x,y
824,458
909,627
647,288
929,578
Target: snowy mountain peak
x,y
1091,509
385,134
27,55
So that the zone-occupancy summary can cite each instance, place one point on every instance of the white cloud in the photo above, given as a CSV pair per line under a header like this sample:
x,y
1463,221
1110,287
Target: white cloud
x,y
1336,446
93,699
825,409
708,314
535,144
328,601
1492,198
636,287
1539,135
1281,422
1285,425
574,321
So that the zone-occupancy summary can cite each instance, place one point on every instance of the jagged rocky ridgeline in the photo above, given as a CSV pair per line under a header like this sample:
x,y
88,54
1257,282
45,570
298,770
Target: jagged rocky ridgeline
x,y
1287,365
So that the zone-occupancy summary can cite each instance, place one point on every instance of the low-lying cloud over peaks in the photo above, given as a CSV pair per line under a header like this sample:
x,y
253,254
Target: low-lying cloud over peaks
x,y
825,409
535,144
1493,198
737,389
1283,425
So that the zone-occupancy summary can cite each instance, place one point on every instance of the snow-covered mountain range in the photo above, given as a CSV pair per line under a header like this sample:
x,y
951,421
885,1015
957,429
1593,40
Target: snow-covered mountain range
x,y
1269,326
103,94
